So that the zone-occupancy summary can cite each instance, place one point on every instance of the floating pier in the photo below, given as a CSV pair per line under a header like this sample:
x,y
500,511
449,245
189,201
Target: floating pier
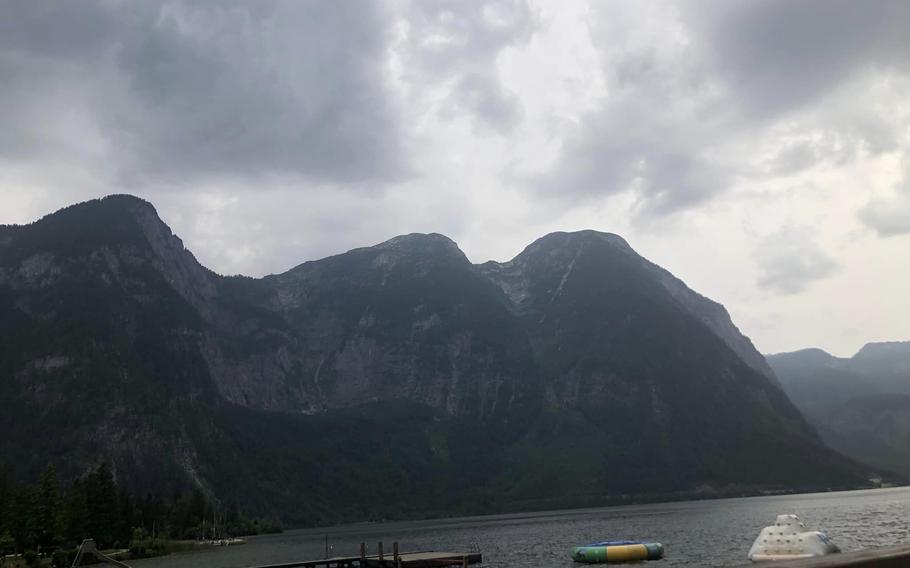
x,y
425,559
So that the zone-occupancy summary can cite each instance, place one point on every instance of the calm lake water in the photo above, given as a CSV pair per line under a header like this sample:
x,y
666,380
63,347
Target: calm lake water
x,y
694,533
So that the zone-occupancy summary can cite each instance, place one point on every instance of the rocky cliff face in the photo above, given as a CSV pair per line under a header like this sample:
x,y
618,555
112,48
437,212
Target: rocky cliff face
x,y
101,319
576,370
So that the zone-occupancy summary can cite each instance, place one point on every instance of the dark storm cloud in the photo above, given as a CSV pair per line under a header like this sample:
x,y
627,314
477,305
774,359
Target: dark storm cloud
x,y
68,30
779,55
206,89
43,47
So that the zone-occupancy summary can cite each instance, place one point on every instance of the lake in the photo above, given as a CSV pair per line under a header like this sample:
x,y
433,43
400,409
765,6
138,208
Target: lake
x,y
694,533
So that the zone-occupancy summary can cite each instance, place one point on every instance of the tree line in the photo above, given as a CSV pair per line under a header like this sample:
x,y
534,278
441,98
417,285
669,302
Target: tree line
x,y
48,515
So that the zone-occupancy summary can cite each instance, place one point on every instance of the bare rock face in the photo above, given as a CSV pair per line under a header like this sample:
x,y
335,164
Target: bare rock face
x,y
183,273
577,352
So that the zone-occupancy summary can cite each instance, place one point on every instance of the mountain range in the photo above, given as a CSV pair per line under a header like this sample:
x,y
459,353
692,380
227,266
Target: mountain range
x,y
397,380
860,405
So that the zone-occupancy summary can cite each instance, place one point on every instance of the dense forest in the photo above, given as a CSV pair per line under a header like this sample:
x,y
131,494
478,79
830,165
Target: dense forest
x,y
49,516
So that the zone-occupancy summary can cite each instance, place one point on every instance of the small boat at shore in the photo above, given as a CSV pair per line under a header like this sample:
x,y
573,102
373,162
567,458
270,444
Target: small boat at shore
x,y
617,551
227,541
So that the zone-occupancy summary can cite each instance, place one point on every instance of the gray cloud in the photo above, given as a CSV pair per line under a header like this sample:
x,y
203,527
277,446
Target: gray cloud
x,y
795,157
779,55
790,260
655,130
890,216
455,45
272,131
887,217
484,97
694,91
185,90
66,30
608,159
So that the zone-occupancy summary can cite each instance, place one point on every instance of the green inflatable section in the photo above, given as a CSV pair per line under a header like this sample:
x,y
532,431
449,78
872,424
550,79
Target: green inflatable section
x,y
617,551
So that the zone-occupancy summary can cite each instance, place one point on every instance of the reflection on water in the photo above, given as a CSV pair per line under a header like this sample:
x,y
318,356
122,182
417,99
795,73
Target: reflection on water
x,y
694,533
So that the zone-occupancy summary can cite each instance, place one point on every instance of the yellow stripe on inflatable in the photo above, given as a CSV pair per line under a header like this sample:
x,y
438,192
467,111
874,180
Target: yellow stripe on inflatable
x,y
627,552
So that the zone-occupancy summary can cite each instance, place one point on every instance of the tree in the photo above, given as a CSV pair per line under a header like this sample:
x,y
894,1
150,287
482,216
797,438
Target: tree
x,y
5,496
7,543
22,518
101,502
75,514
47,509
126,518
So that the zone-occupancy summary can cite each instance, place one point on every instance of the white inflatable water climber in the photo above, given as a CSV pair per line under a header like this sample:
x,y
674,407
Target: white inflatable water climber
x,y
789,539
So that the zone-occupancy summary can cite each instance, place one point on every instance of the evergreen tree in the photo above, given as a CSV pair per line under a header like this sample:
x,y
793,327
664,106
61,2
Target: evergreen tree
x,y
126,519
7,542
151,514
5,496
101,501
22,518
75,514
47,515
47,509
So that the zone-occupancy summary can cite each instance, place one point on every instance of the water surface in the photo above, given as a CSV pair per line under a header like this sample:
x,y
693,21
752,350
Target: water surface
x,y
694,533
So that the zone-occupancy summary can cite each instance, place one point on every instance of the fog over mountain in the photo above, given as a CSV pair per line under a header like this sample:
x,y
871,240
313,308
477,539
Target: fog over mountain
x,y
577,372
860,405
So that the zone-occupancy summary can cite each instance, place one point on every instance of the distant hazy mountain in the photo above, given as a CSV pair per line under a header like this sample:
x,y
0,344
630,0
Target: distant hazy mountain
x,y
860,405
392,380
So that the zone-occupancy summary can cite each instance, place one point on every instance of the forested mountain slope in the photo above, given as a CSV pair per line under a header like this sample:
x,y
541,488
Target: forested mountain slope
x,y
393,380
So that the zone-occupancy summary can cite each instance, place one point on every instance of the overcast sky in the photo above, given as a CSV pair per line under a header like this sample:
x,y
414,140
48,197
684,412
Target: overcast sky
x,y
758,150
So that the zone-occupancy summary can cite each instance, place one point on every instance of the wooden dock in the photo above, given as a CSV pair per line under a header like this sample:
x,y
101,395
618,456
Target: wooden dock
x,y
334,562
890,557
424,559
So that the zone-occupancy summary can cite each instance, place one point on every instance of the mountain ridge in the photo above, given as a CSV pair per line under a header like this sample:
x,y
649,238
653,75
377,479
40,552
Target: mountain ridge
x,y
855,402
494,379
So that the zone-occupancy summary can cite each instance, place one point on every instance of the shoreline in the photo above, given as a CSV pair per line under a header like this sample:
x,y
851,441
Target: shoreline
x,y
619,505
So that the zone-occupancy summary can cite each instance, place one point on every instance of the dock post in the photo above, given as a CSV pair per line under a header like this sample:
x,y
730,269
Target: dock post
x,y
363,554
380,553
326,546
396,555
464,561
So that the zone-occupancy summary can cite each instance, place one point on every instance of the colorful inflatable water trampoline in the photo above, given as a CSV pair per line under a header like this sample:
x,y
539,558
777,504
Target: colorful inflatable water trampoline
x,y
618,551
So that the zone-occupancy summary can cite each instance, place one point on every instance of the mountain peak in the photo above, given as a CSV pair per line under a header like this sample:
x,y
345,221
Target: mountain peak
x,y
126,200
114,204
117,229
810,354
110,221
418,240
883,349
563,239
422,244
890,355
